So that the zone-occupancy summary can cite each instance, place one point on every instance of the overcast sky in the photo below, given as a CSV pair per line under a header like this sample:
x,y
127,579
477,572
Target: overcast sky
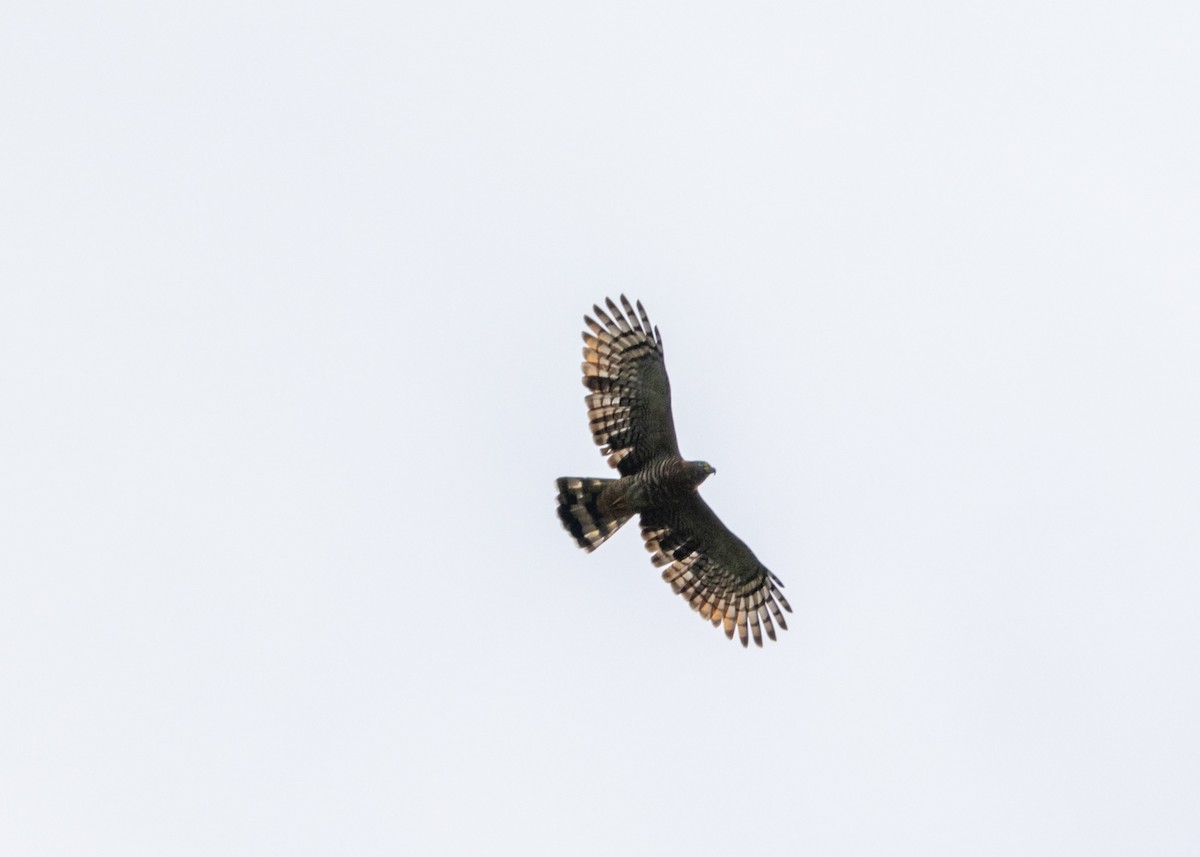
x,y
290,301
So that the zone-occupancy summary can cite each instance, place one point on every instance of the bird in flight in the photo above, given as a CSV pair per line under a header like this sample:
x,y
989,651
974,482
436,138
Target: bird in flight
x,y
629,412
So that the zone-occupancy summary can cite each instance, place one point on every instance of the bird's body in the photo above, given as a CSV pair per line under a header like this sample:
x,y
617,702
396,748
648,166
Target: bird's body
x,y
629,412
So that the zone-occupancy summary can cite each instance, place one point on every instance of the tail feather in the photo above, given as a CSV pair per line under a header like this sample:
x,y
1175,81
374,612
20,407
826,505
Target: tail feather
x,y
587,519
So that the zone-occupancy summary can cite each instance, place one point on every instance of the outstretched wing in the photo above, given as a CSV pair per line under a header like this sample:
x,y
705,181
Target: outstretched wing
x,y
714,570
629,408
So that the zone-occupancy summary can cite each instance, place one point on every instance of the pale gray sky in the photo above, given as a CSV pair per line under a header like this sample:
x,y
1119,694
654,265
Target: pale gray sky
x,y
289,361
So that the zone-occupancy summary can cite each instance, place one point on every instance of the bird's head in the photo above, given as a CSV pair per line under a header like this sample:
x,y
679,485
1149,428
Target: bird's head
x,y
702,470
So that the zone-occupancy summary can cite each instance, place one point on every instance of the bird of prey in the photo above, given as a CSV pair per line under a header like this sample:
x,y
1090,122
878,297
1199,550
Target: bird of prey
x,y
629,412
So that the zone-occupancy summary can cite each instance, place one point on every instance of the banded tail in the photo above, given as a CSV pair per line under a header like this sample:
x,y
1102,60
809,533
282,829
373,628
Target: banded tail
x,y
588,517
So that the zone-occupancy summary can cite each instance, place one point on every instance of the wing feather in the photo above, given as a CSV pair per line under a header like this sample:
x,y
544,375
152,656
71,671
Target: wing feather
x,y
629,407
714,570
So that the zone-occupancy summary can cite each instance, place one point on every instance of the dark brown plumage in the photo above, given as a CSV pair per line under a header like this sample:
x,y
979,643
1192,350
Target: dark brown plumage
x,y
629,412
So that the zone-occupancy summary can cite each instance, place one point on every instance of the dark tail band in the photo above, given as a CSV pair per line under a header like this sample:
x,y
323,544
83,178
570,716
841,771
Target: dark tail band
x,y
579,509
